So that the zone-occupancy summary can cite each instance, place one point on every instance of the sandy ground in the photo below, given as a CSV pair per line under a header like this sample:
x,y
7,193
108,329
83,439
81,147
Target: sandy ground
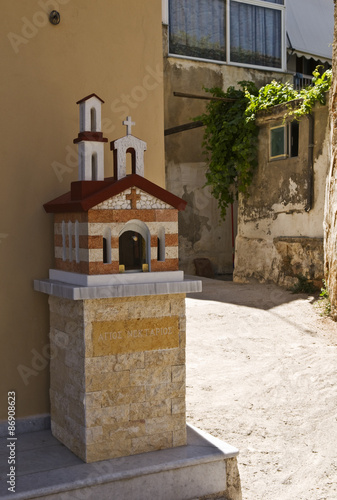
x,y
262,375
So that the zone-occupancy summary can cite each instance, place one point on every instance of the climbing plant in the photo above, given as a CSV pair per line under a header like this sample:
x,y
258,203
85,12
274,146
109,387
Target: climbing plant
x,y
231,135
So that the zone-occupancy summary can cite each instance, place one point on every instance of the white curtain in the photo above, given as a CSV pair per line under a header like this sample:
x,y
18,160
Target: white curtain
x,y
255,35
197,28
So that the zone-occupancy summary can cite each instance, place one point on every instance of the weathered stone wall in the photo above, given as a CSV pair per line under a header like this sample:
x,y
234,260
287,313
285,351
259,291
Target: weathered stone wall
x,y
202,232
330,219
117,375
280,225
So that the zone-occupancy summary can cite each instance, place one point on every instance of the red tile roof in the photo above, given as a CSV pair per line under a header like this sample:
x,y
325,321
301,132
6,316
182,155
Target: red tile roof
x,y
84,195
88,97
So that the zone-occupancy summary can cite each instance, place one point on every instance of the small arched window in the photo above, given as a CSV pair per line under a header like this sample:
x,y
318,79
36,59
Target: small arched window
x,y
64,244
161,245
81,166
107,246
130,161
77,241
93,120
94,167
70,241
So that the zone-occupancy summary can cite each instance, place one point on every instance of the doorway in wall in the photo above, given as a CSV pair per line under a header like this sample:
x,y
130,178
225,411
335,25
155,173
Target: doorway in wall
x,y
132,251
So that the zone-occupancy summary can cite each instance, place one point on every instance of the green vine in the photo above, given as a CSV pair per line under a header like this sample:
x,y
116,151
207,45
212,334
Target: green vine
x,y
325,302
231,135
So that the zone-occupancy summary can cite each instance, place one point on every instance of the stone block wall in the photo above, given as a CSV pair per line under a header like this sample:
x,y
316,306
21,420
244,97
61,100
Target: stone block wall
x,y
279,260
300,257
118,374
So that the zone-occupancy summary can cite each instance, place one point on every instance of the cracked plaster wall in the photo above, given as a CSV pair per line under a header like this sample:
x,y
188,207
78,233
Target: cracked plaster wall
x,y
278,238
202,233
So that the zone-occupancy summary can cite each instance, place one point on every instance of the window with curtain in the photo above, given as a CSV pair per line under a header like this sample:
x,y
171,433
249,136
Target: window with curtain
x,y
255,35
198,28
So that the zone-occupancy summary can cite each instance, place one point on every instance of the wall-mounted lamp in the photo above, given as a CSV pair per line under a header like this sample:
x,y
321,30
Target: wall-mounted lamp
x,y
54,17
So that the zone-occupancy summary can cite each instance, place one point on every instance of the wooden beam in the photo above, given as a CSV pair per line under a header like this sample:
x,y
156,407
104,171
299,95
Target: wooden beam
x,y
182,128
209,98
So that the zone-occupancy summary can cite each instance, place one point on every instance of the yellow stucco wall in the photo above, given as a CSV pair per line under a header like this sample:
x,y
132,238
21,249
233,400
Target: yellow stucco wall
x,y
111,48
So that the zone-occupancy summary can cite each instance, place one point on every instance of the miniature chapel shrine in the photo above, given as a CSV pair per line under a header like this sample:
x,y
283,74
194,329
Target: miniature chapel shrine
x,y
108,226
117,301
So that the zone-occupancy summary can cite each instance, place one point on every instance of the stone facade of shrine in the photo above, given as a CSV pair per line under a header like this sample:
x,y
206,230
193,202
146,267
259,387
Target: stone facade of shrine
x,y
86,230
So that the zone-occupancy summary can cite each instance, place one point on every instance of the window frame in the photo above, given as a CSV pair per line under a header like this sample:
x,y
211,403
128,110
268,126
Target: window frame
x,y
288,136
284,155
227,61
165,11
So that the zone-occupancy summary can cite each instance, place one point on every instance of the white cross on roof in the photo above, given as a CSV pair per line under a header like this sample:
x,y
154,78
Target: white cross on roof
x,y
128,124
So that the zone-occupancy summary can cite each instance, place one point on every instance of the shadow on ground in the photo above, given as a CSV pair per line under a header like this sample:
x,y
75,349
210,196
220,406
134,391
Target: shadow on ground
x,y
261,296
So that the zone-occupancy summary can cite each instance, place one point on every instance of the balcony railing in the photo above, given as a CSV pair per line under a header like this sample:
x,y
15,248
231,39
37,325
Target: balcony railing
x,y
301,81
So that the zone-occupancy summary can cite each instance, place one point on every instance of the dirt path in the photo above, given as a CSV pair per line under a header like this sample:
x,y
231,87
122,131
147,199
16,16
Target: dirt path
x,y
262,375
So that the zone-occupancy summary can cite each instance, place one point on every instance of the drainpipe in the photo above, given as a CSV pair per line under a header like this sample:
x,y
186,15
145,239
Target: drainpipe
x,y
310,178
233,237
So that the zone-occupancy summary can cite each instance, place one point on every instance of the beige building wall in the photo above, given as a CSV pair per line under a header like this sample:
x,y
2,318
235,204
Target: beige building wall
x,y
111,48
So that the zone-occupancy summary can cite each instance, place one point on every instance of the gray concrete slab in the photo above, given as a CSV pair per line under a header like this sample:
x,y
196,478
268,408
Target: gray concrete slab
x,y
75,292
28,424
48,470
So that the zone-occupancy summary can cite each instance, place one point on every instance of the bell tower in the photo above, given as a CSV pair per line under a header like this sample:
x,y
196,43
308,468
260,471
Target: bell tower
x,y
128,144
90,140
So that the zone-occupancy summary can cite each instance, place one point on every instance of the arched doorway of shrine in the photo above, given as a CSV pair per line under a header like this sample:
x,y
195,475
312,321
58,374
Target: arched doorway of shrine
x,y
134,246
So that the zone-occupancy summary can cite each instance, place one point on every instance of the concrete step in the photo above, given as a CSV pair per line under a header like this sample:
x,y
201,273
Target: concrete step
x,y
45,469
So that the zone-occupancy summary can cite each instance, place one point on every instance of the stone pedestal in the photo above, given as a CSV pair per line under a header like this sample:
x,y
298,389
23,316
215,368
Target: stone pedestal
x,y
117,383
